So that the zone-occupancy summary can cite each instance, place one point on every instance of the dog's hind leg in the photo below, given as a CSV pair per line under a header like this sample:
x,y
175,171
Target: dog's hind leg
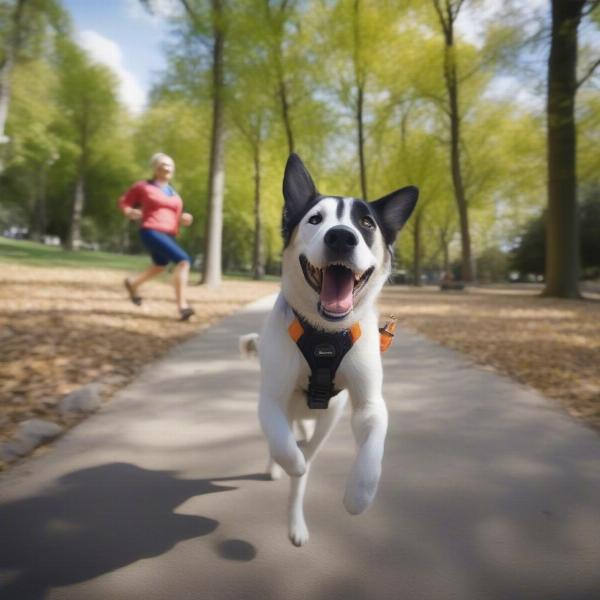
x,y
306,429
325,422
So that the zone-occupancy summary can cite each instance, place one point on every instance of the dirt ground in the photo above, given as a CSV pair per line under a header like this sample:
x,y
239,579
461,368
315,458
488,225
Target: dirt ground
x,y
552,345
61,328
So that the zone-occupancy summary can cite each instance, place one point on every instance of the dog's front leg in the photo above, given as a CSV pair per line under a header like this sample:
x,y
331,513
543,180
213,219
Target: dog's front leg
x,y
369,425
325,422
280,437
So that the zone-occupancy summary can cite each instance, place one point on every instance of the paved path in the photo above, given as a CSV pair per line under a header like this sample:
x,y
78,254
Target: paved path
x,y
489,492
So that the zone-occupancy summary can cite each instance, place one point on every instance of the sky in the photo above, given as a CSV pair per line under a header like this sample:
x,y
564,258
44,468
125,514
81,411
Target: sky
x,y
123,36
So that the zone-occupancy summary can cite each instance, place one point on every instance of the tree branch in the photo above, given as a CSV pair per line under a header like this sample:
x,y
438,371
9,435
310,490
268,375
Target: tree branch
x,y
592,5
440,14
588,74
193,16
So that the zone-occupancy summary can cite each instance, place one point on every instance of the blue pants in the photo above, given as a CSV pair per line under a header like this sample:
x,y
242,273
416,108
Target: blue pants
x,y
162,247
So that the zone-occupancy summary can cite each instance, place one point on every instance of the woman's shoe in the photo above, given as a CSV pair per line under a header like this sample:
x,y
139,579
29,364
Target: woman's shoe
x,y
186,313
137,300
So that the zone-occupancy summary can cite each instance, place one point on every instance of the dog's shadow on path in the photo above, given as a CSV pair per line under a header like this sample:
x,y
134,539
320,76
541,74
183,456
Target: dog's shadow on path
x,y
100,519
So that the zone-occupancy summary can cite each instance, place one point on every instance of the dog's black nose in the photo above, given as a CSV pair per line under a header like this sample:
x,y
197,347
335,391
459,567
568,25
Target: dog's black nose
x,y
341,239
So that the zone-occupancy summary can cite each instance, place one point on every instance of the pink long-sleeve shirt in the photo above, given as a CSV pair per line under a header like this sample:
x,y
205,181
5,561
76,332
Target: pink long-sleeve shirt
x,y
159,211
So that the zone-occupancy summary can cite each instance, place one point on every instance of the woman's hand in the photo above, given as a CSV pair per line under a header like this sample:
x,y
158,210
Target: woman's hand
x,y
135,214
186,219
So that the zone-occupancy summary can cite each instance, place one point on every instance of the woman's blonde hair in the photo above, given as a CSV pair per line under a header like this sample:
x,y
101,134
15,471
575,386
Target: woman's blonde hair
x,y
159,156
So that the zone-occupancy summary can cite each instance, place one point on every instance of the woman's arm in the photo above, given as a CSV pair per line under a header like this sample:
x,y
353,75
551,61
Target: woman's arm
x,y
128,201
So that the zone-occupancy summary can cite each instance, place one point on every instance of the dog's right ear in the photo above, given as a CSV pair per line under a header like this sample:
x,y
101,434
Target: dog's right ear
x,y
298,191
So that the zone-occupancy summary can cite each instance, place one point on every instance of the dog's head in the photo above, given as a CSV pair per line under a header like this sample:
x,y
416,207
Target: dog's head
x,y
338,250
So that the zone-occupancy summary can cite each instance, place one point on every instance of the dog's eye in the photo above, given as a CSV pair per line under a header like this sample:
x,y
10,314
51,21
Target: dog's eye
x,y
367,222
315,219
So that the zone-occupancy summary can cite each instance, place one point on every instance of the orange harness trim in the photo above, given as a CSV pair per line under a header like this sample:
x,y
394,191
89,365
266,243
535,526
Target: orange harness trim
x,y
324,351
386,333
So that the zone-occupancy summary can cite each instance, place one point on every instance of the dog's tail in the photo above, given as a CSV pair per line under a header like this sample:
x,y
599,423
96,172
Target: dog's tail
x,y
249,345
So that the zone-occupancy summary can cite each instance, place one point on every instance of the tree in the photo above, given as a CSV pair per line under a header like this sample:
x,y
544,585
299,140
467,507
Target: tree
x,y
590,231
88,103
278,14
13,42
447,16
529,256
562,257
34,146
213,36
251,113
25,26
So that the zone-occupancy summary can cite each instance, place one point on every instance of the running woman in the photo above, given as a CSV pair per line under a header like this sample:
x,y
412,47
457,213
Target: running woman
x,y
159,209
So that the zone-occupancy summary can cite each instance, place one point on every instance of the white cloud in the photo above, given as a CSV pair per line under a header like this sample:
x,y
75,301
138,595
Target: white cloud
x,y
107,52
160,10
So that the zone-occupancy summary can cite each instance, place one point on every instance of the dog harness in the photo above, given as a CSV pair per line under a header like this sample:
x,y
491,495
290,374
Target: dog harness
x,y
324,351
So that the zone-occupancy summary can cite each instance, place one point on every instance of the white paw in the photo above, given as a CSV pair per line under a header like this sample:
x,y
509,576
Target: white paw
x,y
298,532
274,471
360,491
294,465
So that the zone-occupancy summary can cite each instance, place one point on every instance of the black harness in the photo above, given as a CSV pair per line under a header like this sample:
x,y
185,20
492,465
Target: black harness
x,y
323,351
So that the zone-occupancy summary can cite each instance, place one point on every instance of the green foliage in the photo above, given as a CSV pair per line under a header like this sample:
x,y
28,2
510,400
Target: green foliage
x,y
293,69
492,266
530,253
590,232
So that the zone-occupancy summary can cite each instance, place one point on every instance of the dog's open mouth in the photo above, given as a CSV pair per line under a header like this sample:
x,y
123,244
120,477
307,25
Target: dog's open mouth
x,y
337,285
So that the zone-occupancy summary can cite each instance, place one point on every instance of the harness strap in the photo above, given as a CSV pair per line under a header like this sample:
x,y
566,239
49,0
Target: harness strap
x,y
323,352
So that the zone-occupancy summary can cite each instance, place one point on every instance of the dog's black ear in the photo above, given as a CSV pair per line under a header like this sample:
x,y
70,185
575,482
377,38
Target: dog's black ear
x,y
393,211
298,191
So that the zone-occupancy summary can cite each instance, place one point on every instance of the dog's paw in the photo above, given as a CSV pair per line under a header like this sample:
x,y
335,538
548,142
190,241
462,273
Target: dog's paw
x,y
298,532
274,471
360,491
294,465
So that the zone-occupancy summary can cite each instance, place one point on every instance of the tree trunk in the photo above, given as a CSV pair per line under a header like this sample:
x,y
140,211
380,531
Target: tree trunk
x,y
211,274
450,76
446,251
277,24
361,142
5,76
447,16
259,269
562,238
417,248
285,111
359,79
13,42
74,242
38,222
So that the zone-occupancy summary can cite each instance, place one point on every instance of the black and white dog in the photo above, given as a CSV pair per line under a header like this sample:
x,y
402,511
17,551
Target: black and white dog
x,y
320,343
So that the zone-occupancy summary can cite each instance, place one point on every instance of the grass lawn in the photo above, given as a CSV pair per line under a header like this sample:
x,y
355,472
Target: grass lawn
x,y
34,254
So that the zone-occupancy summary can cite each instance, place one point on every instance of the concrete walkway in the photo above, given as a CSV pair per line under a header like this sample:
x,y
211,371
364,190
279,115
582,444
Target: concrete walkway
x,y
489,492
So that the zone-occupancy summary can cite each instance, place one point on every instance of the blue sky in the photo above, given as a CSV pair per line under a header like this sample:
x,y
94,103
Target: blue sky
x,y
122,35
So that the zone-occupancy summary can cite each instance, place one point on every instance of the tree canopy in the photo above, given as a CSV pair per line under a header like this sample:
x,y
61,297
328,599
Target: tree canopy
x,y
374,95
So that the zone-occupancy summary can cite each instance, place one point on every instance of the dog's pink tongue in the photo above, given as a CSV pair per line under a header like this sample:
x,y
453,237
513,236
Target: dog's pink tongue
x,y
336,290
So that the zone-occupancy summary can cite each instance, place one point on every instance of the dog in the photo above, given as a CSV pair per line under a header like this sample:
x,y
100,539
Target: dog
x,y
319,346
